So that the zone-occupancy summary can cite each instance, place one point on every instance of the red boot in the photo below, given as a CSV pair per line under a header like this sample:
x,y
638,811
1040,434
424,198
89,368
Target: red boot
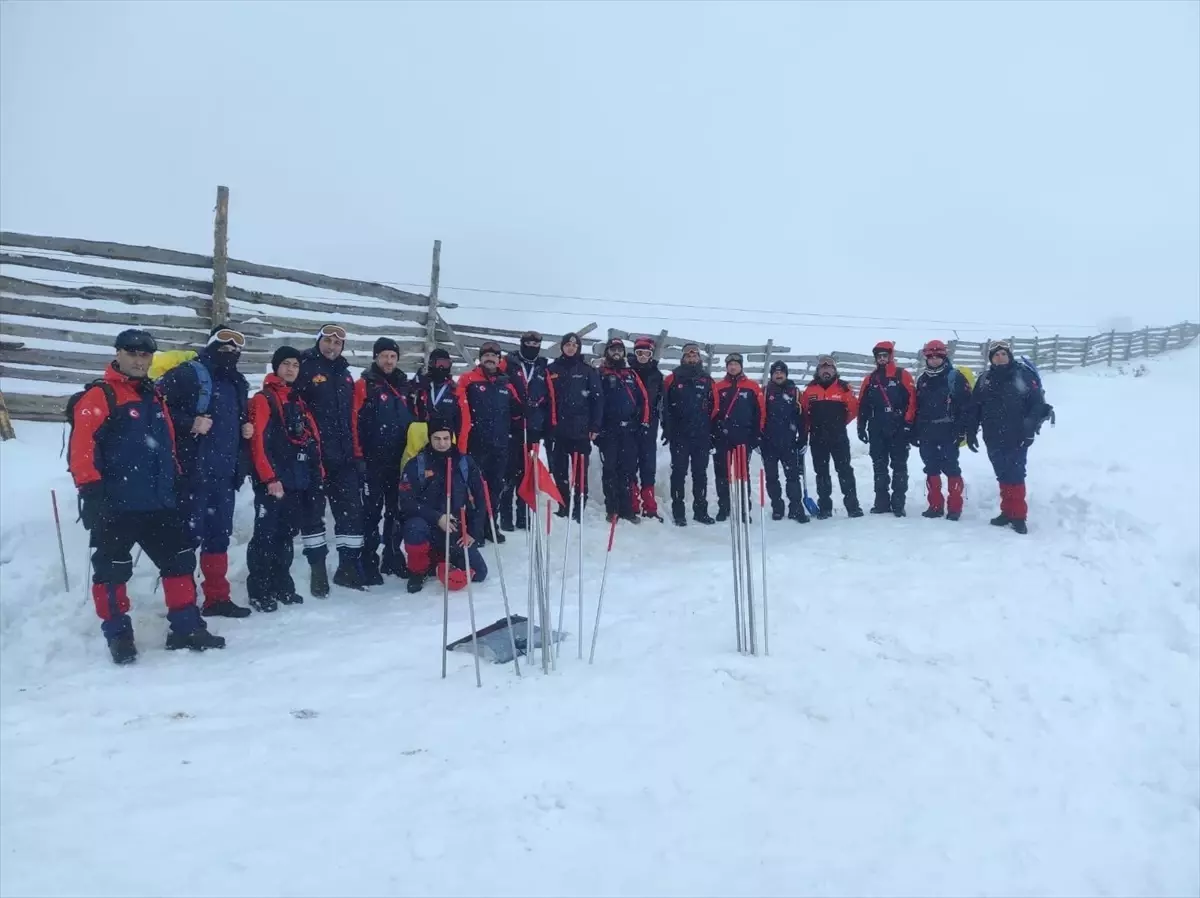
x,y
649,503
1005,517
954,504
1018,508
936,505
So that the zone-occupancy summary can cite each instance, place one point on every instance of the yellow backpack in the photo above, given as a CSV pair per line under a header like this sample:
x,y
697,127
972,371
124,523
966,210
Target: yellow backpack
x,y
167,359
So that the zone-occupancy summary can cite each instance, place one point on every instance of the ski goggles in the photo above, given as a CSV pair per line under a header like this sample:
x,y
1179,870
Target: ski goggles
x,y
228,335
443,364
332,330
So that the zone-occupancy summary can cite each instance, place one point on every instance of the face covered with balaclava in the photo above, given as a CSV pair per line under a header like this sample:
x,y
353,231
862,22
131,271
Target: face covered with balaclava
x,y
531,345
225,348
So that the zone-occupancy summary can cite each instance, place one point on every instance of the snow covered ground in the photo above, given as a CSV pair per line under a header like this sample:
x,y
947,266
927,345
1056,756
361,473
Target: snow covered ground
x,y
948,709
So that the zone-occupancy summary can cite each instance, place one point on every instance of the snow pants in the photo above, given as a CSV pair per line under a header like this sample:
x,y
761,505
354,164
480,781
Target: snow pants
x,y
164,537
647,440
209,505
514,470
381,498
692,452
721,469
839,452
618,468
425,545
271,550
493,466
790,459
890,449
1009,465
939,452
343,492
560,466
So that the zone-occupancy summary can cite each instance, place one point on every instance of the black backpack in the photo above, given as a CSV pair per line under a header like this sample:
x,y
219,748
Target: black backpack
x,y
69,427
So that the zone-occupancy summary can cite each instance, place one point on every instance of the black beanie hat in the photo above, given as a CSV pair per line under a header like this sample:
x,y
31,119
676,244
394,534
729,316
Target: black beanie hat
x,y
779,366
438,353
569,337
384,344
282,354
438,423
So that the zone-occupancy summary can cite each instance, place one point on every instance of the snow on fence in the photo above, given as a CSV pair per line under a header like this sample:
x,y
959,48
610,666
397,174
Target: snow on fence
x,y
1047,353
56,334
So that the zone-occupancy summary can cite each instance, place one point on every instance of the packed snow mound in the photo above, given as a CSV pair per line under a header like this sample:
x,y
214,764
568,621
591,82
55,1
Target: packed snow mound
x,y
948,708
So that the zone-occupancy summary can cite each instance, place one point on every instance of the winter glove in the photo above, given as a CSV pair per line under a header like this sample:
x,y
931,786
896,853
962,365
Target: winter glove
x,y
862,435
665,440
91,504
973,442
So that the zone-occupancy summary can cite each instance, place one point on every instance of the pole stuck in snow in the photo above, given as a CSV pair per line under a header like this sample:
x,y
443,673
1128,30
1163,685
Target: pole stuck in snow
x,y
62,554
745,618
462,538
744,517
512,637
735,558
446,577
580,483
562,591
762,530
612,532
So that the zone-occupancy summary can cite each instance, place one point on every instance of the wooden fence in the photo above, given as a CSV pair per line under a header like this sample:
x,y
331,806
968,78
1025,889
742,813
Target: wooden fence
x,y
79,319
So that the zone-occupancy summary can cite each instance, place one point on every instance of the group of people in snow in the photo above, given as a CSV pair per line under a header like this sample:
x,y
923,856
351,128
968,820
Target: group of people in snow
x,y
409,465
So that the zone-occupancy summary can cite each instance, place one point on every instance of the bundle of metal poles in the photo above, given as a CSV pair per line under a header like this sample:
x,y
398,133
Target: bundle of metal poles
x,y
744,610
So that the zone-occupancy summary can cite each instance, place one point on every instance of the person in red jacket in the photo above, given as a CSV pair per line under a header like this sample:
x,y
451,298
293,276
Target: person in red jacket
x,y
489,409
829,406
887,408
286,455
122,459
738,417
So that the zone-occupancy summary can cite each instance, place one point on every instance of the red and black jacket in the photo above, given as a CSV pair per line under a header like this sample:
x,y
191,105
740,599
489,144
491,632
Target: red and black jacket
x,y
286,446
739,412
828,408
129,451
887,400
490,409
535,392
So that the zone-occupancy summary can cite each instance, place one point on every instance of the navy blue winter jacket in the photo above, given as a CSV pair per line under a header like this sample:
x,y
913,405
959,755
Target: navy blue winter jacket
x,y
1008,402
784,430
625,401
220,454
381,417
687,405
942,399
423,489
652,380
535,392
328,390
578,396
491,409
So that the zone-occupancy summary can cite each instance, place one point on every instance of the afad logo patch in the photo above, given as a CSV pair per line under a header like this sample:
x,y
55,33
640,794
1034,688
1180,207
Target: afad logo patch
x,y
134,413
319,378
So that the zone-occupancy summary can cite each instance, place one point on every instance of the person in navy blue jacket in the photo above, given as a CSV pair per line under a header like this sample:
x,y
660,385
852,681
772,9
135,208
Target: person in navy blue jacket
x,y
1010,405
739,414
579,405
626,417
214,455
943,395
645,366
380,419
423,508
887,407
327,388
489,410
783,440
434,393
122,458
526,369
687,429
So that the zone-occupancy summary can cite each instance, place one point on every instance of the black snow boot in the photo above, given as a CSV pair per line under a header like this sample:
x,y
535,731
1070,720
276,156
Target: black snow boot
x,y
932,513
415,582
678,511
224,608
700,514
883,504
799,515
319,583
562,511
290,598
370,570
825,514
853,508
266,604
777,513
393,564
348,574
122,649
953,515
198,640
1019,526
1001,520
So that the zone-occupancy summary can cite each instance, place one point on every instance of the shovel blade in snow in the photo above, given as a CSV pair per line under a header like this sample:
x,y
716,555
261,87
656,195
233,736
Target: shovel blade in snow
x,y
810,504
495,644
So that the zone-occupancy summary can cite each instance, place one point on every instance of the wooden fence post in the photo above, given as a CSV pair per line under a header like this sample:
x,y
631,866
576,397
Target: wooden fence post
x,y
1128,347
431,315
767,362
1054,354
6,428
1146,342
220,304
1087,347
1036,349
1112,342
660,344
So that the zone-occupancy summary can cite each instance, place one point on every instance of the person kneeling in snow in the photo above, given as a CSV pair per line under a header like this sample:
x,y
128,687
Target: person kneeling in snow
x,y
423,509
1009,404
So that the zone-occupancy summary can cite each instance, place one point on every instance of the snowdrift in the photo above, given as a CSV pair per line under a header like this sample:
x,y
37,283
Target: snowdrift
x,y
948,709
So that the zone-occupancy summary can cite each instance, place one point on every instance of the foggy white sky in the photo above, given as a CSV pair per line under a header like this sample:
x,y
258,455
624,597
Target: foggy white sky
x,y
982,162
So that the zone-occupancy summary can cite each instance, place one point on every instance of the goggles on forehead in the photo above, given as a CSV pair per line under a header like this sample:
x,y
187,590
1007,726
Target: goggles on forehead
x,y
332,330
227,335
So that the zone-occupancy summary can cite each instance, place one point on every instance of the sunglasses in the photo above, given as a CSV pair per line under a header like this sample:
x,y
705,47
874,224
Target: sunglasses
x,y
332,330
228,335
